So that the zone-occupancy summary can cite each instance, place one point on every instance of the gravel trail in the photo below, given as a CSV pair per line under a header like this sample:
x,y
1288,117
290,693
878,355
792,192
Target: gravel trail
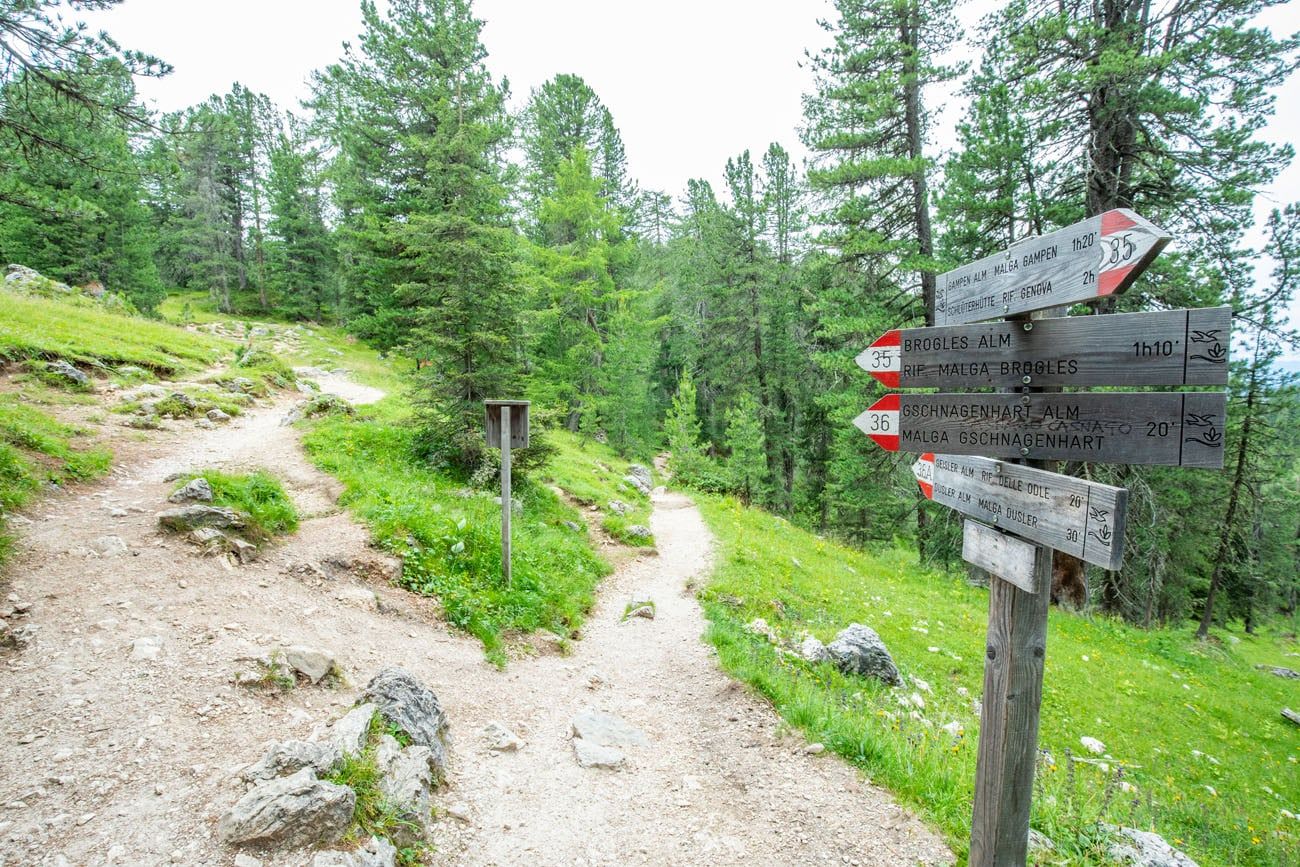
x,y
106,759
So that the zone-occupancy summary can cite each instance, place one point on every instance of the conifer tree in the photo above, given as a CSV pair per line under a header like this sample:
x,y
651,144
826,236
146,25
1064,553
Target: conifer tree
x,y
747,463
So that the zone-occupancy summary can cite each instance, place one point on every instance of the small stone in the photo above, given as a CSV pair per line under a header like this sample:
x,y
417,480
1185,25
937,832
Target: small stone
x,y
109,546
618,507
1144,849
245,552
194,491
501,738
1092,745
812,650
459,811
591,755
146,648
247,861
314,664
645,611
640,531
597,737
218,416
814,749
65,371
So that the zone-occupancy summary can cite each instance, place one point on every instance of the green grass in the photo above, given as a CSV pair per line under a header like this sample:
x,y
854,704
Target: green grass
x,y
1178,716
592,474
35,450
450,536
259,495
32,328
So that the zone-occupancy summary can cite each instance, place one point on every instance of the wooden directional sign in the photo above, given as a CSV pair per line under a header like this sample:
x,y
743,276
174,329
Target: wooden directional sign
x,y
1173,347
1071,515
1099,256
1168,428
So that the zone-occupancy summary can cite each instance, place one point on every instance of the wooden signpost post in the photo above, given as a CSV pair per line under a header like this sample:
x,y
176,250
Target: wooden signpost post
x,y
987,455
506,433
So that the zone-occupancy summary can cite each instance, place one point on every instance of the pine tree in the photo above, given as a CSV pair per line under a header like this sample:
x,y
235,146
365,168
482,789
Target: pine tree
x,y
747,463
682,430
300,266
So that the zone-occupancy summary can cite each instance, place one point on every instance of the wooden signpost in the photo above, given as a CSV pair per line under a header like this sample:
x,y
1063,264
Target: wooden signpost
x,y
1177,429
986,455
506,433
1170,347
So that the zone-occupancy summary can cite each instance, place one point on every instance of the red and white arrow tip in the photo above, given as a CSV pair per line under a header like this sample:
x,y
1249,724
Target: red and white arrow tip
x,y
880,422
1129,244
884,358
923,469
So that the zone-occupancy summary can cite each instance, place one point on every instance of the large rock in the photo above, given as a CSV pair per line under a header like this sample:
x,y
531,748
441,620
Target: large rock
x,y
297,810
618,507
405,781
350,731
635,482
412,707
289,757
642,475
1144,849
63,370
857,649
194,491
376,853
195,516
812,650
1280,671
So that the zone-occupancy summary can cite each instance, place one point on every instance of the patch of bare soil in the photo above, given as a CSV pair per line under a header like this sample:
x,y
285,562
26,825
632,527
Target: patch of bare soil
x,y
110,756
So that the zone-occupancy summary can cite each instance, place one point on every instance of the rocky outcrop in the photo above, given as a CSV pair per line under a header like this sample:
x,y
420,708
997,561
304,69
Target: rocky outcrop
x,y
65,372
642,477
857,649
349,731
412,707
298,810
406,779
289,757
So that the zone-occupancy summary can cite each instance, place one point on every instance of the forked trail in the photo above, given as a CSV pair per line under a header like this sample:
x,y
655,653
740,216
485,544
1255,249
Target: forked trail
x,y
114,760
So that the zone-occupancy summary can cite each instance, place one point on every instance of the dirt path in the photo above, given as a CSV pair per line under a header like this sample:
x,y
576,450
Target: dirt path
x,y
106,759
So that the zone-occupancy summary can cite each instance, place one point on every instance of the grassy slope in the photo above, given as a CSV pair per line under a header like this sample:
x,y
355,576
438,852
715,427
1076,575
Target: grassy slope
x,y
86,335
592,474
35,449
1155,699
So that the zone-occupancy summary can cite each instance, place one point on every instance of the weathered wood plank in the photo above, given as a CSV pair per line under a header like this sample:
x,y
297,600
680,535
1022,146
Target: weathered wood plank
x,y
1165,428
999,554
1008,743
1081,518
1170,347
1096,257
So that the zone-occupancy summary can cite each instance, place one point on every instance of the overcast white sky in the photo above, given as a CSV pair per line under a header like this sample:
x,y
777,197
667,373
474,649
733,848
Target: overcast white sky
x,y
690,82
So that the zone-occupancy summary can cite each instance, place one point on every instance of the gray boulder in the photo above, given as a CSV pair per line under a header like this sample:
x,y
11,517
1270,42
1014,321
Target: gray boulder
x,y
194,491
195,516
298,810
405,781
289,757
857,649
637,483
1280,671
412,707
1144,849
376,853
218,416
184,400
642,475
350,730
65,371
618,507
640,530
